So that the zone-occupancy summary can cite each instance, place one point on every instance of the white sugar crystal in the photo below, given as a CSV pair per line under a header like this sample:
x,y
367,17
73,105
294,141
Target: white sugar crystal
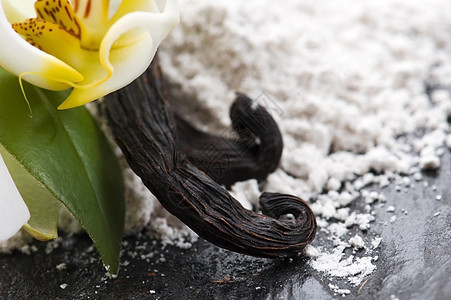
x,y
448,141
417,176
429,162
246,192
376,242
362,220
390,209
357,242
440,95
352,268
333,184
337,229
311,251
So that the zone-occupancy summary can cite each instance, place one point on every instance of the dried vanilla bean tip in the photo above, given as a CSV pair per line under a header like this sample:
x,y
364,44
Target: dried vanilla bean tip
x,y
143,126
254,154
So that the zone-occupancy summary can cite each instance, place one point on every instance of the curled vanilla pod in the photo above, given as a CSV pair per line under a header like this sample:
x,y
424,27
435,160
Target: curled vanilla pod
x,y
255,153
144,127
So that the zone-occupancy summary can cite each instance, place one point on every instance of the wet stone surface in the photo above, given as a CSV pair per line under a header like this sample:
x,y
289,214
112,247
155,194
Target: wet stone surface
x,y
414,261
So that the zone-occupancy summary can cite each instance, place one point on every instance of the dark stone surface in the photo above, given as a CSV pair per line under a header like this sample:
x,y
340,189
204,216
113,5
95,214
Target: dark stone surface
x,y
414,261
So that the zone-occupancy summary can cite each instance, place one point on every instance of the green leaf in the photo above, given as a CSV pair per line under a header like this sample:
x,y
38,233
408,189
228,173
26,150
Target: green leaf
x,y
68,154
42,205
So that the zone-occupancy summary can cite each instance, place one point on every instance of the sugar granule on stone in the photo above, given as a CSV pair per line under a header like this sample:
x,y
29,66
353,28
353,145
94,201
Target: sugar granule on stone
x,y
310,251
391,208
448,141
376,242
357,242
61,267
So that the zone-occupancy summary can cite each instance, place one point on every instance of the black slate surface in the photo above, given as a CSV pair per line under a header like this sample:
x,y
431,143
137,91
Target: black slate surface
x,y
414,261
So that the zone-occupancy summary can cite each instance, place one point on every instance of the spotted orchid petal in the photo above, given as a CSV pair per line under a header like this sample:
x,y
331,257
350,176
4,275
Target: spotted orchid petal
x,y
13,211
22,59
83,44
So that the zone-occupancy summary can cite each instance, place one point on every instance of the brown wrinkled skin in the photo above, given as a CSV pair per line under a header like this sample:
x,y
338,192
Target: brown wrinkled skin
x,y
169,154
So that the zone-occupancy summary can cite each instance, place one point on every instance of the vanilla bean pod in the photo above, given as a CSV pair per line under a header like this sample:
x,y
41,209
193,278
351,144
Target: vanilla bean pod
x,y
254,154
144,127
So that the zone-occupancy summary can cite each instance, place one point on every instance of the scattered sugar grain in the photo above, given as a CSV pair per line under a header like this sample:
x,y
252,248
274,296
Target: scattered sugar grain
x,y
440,96
390,208
417,176
339,291
61,267
333,184
346,198
406,181
247,193
376,242
440,151
384,181
448,141
311,251
429,162
357,242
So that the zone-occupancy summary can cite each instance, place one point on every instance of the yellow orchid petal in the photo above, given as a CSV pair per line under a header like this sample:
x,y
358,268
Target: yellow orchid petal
x,y
13,211
92,12
124,64
17,11
129,6
50,38
60,12
158,25
128,62
36,66
95,17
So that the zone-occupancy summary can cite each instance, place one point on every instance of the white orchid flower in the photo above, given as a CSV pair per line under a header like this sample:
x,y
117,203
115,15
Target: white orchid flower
x,y
13,210
94,47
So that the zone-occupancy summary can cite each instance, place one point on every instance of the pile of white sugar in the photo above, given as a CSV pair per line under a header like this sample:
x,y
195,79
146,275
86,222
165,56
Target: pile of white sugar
x,y
344,79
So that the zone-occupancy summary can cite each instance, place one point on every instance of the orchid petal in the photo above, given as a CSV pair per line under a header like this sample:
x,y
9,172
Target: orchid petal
x,y
18,11
61,14
130,6
128,64
124,64
50,38
92,12
36,66
13,211
127,7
